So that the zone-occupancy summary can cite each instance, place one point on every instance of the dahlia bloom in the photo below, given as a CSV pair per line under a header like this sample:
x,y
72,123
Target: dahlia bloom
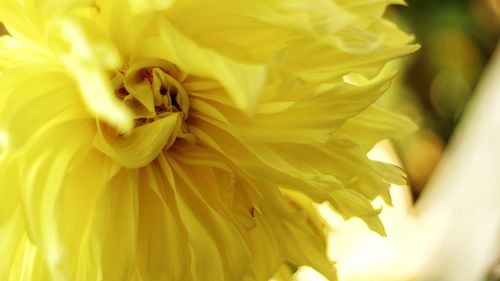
x,y
189,139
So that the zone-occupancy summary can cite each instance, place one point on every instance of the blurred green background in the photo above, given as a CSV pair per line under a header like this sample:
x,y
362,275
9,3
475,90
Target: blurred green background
x,y
458,38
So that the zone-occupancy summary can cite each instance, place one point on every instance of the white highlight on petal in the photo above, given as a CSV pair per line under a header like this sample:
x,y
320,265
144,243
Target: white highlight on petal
x,y
89,62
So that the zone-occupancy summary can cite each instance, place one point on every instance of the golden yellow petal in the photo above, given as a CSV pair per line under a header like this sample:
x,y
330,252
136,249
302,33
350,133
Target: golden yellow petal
x,y
162,248
115,227
243,81
12,232
140,146
219,249
44,170
109,177
47,104
375,124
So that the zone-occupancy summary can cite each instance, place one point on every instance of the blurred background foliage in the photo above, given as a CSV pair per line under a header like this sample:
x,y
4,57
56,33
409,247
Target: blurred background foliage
x,y
458,38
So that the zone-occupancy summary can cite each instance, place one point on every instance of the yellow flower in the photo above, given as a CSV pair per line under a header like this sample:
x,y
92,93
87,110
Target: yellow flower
x,y
188,140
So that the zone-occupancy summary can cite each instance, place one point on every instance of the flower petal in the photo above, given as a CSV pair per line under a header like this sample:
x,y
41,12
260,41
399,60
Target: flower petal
x,y
268,26
219,249
243,81
375,124
115,227
46,105
145,6
162,244
142,145
89,57
12,232
44,170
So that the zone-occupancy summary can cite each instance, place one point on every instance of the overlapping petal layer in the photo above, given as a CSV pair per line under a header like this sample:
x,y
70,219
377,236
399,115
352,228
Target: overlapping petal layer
x,y
188,140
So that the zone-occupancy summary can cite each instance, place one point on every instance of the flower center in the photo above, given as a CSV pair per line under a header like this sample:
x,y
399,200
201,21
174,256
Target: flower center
x,y
153,90
159,104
